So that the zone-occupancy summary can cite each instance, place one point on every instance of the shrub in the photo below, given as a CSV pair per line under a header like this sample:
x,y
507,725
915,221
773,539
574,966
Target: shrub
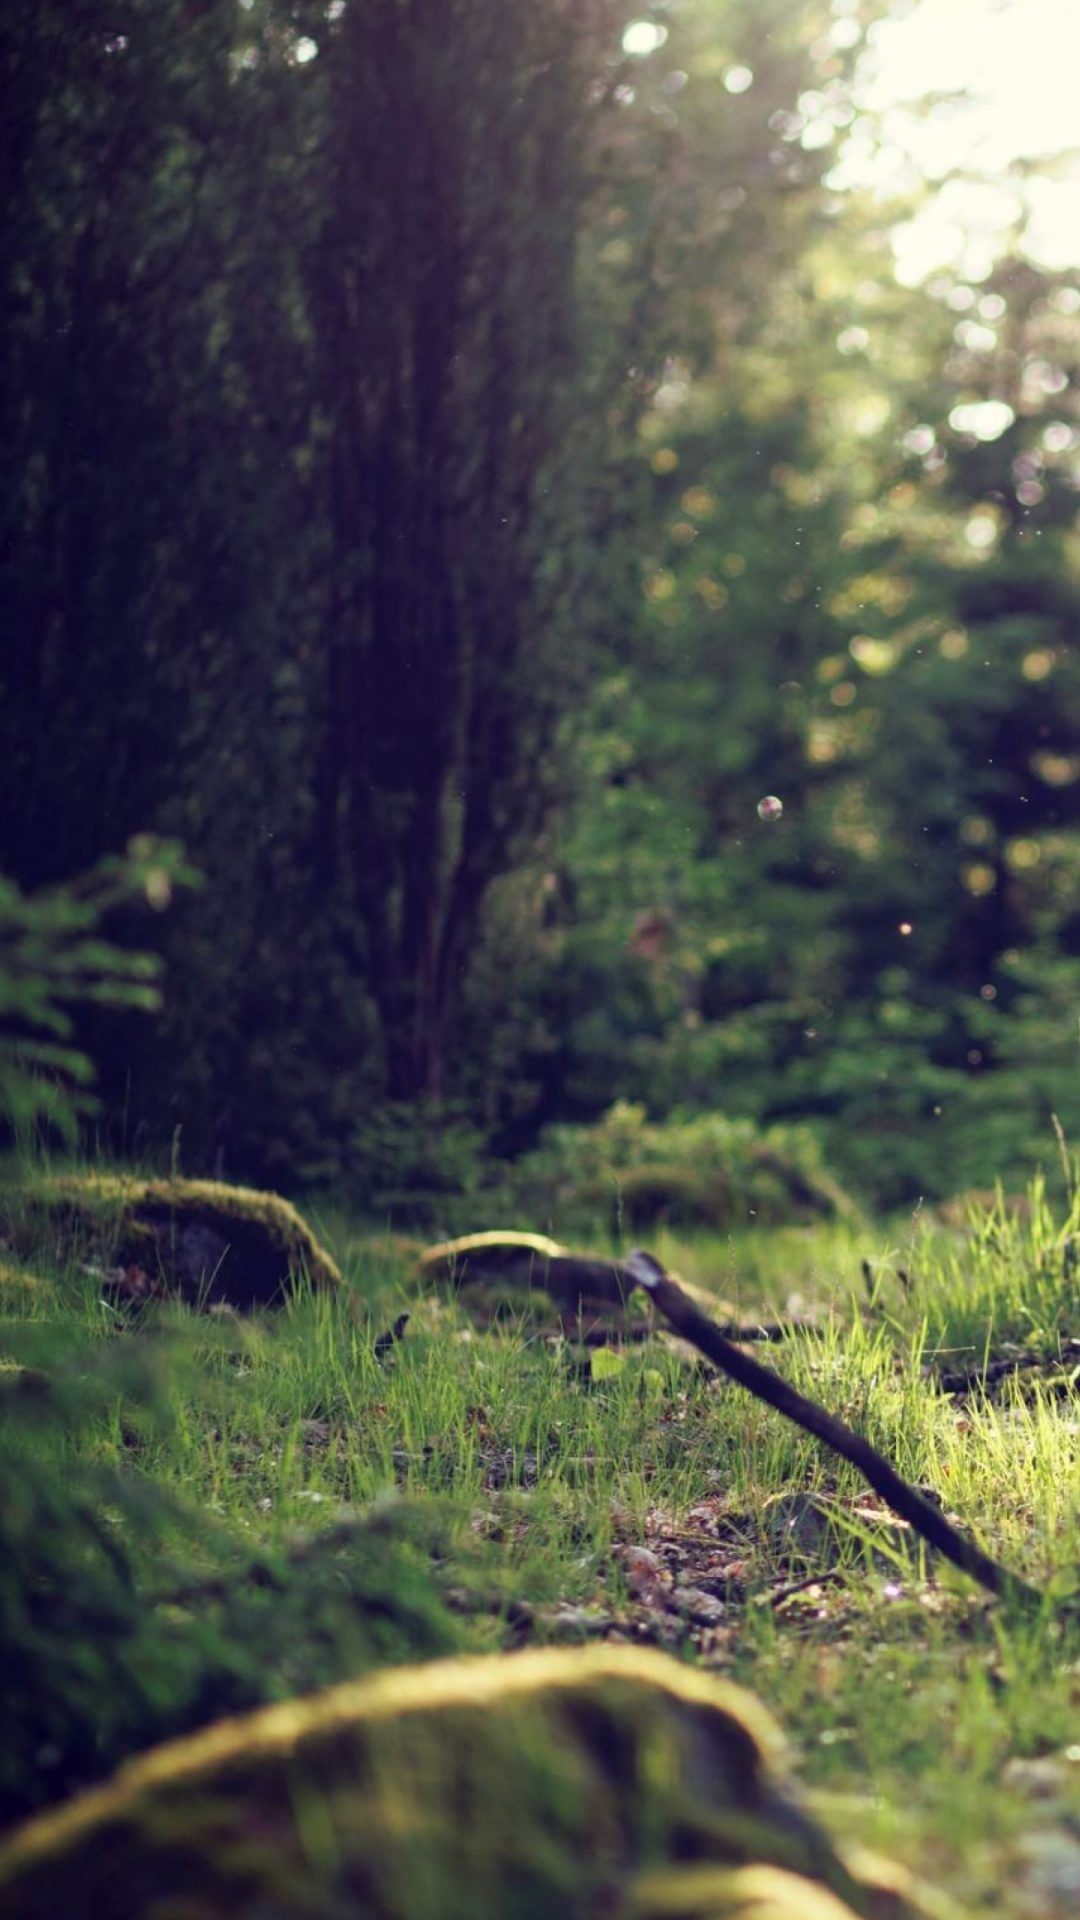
x,y
626,1173
52,957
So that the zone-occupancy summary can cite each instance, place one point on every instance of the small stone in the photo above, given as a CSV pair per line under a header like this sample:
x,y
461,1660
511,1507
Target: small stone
x,y
582,1622
697,1605
645,1576
1051,1870
1038,1779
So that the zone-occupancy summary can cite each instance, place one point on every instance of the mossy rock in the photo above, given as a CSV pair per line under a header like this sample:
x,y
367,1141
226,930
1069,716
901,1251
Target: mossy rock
x,y
199,1240
548,1782
506,1274
772,1893
652,1196
769,1189
710,1172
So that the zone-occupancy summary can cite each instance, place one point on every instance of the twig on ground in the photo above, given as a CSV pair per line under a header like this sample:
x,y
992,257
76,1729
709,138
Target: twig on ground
x,y
747,1333
995,1371
779,1596
766,1331
920,1513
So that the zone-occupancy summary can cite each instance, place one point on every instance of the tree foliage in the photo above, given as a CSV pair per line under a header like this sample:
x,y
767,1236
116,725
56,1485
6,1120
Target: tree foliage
x,y
297,442
457,462
878,630
54,960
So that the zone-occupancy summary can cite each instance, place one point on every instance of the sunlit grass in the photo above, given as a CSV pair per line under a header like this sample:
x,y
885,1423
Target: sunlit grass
x,y
905,1691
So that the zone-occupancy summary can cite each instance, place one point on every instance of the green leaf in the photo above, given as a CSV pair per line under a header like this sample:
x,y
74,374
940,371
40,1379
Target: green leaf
x,y
607,1364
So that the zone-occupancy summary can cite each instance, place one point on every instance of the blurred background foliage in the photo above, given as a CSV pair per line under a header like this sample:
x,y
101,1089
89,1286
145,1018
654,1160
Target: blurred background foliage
x,y
458,462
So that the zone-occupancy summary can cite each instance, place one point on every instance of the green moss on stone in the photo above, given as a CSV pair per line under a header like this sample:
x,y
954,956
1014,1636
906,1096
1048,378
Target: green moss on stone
x,y
200,1239
502,1275
549,1782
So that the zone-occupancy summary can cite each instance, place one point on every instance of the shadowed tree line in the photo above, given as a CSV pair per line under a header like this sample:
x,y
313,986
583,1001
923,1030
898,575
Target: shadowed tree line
x,y
296,438
454,466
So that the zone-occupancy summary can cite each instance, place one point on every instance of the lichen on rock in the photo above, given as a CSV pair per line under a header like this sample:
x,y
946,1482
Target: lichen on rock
x,y
736,1893
508,1274
200,1240
548,1782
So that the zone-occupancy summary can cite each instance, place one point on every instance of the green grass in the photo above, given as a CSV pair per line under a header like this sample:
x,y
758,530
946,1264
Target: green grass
x,y
515,1489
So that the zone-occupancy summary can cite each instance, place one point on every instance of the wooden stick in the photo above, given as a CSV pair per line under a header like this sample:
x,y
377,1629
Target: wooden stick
x,y
683,1316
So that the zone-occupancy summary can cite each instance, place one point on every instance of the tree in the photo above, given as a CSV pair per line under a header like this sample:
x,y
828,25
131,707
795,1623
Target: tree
x,y
298,430
441,291
670,904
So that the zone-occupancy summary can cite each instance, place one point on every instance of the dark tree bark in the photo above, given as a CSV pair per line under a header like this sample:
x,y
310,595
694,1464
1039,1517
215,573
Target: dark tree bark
x,y
442,299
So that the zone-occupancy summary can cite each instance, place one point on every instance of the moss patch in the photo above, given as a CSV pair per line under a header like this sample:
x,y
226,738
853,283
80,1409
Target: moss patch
x,y
505,1275
20,1288
525,1785
627,1173
740,1893
198,1239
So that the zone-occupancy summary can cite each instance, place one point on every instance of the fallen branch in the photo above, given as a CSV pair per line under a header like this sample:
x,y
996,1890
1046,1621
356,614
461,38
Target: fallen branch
x,y
684,1317
980,1379
749,1333
765,1331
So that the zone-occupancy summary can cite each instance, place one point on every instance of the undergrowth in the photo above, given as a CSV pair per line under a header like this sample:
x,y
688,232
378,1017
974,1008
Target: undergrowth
x,y
198,1513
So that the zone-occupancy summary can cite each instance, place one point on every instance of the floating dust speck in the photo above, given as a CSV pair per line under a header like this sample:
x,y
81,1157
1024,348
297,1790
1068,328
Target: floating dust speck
x,y
770,808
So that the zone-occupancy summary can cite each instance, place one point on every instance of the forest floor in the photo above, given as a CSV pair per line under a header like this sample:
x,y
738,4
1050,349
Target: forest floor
x,y
571,1494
